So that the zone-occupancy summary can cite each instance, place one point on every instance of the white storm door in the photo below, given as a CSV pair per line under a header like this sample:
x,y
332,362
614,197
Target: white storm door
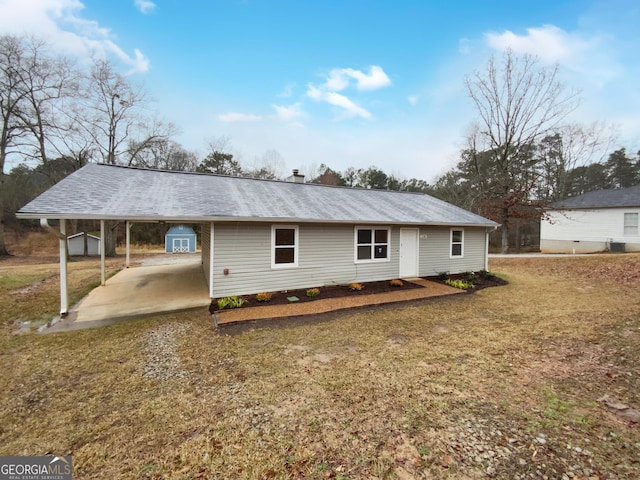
x,y
408,252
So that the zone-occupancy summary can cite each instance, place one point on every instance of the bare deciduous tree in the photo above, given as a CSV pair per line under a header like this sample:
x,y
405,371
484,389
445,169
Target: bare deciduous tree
x,y
270,166
518,102
47,81
114,111
570,147
11,97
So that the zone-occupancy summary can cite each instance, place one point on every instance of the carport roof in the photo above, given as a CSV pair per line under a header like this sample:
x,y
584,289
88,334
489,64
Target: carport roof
x,y
610,198
108,192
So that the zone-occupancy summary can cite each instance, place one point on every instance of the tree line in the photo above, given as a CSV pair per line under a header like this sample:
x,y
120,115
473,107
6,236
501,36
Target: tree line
x,y
520,155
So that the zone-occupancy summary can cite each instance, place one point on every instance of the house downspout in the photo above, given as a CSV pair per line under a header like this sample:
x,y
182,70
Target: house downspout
x,y
62,240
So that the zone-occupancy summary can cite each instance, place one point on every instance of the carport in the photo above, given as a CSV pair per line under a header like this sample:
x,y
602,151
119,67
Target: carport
x,y
164,286
172,286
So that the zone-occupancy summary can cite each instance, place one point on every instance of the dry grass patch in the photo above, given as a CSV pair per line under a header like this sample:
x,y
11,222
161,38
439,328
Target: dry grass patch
x,y
502,384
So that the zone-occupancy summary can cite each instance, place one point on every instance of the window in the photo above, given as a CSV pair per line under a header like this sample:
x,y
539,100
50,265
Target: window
x,y
631,224
457,243
284,246
372,244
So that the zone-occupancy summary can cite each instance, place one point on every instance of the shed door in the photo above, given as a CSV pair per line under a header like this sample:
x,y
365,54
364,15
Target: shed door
x,y
408,252
180,245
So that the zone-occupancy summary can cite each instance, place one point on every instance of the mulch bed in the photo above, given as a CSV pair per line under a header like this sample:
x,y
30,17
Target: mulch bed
x,y
331,291
338,291
479,283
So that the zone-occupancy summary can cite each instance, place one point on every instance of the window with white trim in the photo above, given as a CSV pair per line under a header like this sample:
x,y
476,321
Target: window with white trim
x,y
372,244
631,224
284,246
457,243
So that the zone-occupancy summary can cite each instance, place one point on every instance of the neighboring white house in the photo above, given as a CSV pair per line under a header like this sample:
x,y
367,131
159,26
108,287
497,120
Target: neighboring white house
x,y
604,220
265,235
79,245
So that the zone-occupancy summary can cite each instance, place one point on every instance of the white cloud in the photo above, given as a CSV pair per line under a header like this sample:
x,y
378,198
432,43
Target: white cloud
x,y
549,43
340,78
139,64
338,100
289,113
590,58
413,99
60,24
145,6
239,117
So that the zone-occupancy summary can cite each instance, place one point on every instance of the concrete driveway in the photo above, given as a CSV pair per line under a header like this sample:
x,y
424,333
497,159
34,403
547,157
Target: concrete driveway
x,y
136,291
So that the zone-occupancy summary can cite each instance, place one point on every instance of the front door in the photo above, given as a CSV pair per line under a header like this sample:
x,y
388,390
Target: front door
x,y
408,252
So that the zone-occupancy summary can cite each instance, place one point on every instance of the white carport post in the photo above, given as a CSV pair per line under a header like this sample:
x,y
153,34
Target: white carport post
x,y
103,279
64,297
62,240
127,228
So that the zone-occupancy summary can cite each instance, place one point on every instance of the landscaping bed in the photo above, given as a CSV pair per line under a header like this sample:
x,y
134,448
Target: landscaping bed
x,y
479,282
330,291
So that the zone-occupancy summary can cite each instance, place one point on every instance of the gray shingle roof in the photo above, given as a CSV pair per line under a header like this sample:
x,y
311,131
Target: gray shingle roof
x,y
619,197
108,192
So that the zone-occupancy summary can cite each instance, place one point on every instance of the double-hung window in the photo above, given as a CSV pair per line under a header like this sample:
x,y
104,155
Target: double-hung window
x,y
630,224
284,246
371,244
457,243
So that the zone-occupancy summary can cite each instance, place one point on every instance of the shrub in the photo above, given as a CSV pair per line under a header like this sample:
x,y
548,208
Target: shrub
x,y
355,287
313,292
469,277
487,275
230,302
396,282
263,296
443,276
461,284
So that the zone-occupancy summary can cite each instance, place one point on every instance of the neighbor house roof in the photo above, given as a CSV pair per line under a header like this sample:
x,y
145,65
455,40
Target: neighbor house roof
x,y
618,197
109,192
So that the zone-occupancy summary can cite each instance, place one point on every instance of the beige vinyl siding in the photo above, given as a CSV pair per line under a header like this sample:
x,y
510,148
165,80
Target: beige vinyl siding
x,y
435,251
325,257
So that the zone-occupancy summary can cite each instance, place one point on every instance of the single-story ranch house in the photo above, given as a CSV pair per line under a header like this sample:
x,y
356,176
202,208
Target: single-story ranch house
x,y
604,220
265,235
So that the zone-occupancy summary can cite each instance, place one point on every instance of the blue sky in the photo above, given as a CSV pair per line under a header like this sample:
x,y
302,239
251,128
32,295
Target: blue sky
x,y
345,83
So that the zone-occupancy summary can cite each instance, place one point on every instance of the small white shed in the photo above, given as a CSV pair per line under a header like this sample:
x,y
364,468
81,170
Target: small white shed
x,y
76,244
